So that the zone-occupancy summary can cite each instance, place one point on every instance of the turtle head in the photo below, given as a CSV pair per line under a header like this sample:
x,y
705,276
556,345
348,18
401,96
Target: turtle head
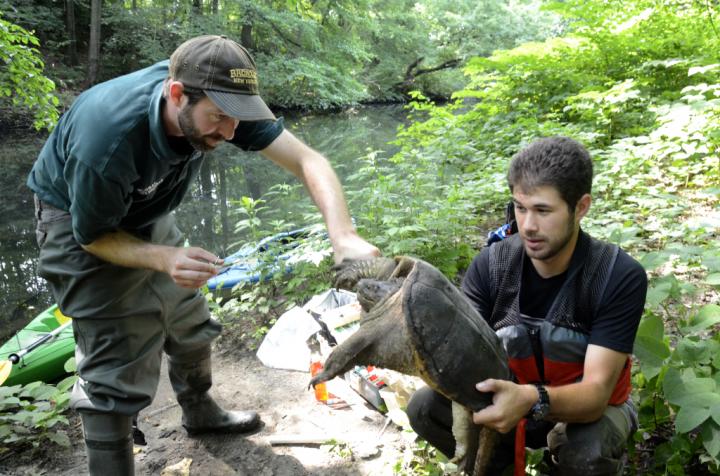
x,y
372,291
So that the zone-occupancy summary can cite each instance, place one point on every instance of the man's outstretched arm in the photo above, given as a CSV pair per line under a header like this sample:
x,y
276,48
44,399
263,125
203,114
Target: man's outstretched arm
x,y
324,188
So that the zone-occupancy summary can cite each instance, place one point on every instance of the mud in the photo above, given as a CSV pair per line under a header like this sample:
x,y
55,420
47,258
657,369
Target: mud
x,y
370,446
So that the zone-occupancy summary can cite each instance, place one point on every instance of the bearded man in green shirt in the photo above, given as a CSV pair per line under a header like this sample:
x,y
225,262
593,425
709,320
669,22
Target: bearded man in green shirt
x,y
120,160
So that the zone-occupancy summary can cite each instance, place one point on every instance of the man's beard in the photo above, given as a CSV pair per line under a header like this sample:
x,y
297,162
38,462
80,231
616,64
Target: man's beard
x,y
557,245
187,126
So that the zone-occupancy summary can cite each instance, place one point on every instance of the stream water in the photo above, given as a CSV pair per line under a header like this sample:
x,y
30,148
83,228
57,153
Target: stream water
x,y
208,216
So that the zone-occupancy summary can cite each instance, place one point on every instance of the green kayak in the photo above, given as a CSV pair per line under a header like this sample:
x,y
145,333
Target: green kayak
x,y
46,361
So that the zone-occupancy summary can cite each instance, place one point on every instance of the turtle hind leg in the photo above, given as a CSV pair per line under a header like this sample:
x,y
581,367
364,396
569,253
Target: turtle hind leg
x,y
474,445
465,433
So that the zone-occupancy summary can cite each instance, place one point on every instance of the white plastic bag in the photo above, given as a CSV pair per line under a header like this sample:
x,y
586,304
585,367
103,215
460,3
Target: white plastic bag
x,y
284,346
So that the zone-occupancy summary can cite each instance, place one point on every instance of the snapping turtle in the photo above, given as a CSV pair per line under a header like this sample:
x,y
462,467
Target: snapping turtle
x,y
417,322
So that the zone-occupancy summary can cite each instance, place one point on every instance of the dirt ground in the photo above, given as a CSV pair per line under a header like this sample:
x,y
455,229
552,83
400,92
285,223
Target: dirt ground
x,y
286,407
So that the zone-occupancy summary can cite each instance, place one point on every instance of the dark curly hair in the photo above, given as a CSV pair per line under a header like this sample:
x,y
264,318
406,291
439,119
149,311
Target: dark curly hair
x,y
559,162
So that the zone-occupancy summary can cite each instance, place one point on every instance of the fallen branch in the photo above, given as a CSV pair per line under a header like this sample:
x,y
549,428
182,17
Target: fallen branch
x,y
411,73
299,440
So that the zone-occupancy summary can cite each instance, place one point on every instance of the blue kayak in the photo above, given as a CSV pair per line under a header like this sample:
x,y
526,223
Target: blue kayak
x,y
269,256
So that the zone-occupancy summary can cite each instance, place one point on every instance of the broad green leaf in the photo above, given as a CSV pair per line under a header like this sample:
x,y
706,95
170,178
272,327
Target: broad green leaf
x,y
10,401
693,350
676,386
6,391
707,316
41,392
70,365
62,400
652,326
651,354
65,384
658,293
715,413
19,417
653,259
699,400
711,438
713,279
58,437
689,418
711,260
673,385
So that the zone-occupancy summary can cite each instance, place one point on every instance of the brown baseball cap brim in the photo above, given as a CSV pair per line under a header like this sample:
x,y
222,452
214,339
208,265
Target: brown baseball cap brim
x,y
245,107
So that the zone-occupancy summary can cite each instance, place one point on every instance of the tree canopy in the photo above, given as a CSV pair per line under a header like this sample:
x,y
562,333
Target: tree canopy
x,y
310,54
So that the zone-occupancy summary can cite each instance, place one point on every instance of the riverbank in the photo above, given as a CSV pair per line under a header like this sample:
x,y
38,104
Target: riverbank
x,y
365,442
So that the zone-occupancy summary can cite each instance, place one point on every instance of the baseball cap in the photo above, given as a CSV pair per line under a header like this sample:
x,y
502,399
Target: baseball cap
x,y
223,70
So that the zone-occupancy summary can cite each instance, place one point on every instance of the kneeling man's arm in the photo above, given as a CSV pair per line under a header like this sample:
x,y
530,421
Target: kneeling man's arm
x,y
580,402
585,401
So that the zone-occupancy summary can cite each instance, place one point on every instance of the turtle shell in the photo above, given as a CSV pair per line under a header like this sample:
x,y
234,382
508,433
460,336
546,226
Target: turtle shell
x,y
454,348
427,327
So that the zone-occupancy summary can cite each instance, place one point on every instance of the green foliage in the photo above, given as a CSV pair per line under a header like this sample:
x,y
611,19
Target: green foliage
x,y
415,207
290,273
31,414
310,55
22,82
678,384
646,105
339,448
307,83
133,40
422,459
250,208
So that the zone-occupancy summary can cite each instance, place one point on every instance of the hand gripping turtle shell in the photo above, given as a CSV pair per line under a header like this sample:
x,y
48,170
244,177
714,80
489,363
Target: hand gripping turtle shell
x,y
415,321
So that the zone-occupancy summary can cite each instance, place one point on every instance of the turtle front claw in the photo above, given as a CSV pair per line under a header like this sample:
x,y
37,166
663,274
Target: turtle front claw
x,y
349,272
319,378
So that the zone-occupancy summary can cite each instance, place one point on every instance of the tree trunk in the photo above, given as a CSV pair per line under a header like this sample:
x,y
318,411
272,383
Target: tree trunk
x,y
206,185
197,7
71,53
94,47
246,36
226,232
253,186
207,208
214,6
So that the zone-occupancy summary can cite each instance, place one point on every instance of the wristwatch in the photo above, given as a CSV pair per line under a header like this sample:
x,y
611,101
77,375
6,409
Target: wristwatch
x,y
541,408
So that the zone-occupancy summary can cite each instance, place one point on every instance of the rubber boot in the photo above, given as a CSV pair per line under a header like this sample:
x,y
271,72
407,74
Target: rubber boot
x,y
109,445
191,378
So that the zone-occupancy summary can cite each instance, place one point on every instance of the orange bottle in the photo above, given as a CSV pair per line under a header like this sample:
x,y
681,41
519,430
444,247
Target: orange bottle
x,y
321,393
